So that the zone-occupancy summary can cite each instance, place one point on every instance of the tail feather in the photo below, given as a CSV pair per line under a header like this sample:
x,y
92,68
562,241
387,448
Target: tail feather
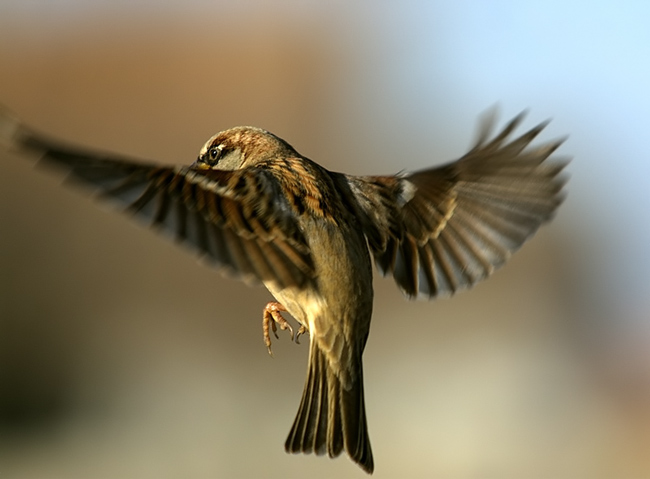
x,y
331,418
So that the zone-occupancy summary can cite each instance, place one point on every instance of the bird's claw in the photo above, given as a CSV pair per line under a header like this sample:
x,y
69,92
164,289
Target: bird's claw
x,y
272,319
300,332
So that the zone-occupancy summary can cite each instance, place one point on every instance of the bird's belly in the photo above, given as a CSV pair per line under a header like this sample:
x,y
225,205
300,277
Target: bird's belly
x,y
341,289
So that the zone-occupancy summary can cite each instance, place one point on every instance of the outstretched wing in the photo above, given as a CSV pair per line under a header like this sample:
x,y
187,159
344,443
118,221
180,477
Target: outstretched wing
x,y
238,220
443,229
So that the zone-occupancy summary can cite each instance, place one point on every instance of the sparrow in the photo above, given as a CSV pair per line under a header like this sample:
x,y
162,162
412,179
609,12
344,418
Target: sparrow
x,y
252,205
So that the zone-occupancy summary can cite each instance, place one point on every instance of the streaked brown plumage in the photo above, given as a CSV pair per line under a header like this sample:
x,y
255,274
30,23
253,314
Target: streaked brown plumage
x,y
254,206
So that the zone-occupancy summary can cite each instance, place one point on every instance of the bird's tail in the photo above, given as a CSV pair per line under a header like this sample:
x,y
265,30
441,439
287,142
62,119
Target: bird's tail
x,y
331,417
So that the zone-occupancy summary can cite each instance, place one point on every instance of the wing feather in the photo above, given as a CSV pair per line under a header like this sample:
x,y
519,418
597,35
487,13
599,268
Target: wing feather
x,y
238,220
445,228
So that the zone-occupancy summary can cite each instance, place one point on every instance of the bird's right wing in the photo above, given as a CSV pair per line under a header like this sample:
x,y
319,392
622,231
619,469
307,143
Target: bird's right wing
x,y
443,229
237,220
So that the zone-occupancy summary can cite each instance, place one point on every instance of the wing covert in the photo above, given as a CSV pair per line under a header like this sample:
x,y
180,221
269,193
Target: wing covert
x,y
442,229
237,220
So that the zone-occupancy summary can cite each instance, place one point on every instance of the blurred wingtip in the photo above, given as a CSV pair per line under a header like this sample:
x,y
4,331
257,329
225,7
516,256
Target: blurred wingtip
x,y
488,119
9,128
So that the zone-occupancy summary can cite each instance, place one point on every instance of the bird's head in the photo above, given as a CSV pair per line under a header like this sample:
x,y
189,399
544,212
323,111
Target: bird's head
x,y
240,147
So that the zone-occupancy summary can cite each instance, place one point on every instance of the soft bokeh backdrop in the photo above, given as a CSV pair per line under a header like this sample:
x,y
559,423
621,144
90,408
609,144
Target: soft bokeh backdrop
x,y
120,356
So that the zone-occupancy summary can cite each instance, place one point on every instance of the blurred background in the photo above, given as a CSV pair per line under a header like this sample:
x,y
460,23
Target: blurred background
x,y
121,356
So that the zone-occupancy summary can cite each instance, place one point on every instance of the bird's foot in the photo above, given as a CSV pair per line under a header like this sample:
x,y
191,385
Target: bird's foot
x,y
273,316
300,332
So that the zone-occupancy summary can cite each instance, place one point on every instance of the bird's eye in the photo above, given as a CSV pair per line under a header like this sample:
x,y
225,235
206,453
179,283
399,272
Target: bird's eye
x,y
215,153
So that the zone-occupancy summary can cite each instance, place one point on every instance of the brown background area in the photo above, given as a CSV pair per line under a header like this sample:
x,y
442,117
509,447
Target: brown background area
x,y
120,356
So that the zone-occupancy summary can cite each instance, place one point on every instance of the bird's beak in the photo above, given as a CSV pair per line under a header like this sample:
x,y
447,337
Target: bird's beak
x,y
199,164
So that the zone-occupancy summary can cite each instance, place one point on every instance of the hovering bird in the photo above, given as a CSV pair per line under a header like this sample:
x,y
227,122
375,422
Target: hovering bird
x,y
252,205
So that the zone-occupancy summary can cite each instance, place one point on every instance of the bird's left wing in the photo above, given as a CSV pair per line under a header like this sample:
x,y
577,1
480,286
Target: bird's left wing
x,y
238,220
443,229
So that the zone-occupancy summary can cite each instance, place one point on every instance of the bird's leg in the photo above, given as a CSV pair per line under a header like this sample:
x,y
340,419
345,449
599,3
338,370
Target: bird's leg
x,y
272,315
